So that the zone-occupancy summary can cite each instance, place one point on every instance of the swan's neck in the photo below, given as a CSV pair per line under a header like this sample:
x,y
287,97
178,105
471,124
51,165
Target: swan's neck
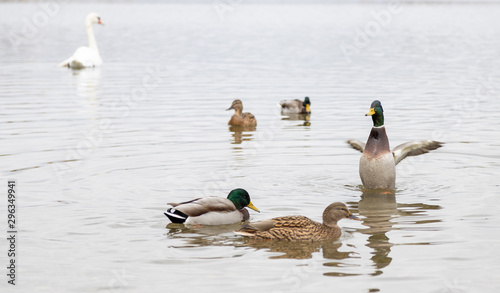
x,y
90,35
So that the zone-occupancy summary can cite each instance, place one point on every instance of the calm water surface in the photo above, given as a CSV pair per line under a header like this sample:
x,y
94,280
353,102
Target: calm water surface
x,y
98,153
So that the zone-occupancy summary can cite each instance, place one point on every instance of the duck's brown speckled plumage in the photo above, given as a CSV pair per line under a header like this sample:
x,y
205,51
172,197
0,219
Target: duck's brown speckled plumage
x,y
239,118
297,228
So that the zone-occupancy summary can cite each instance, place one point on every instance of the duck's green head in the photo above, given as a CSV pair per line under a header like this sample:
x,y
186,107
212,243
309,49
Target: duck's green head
x,y
377,113
307,104
241,199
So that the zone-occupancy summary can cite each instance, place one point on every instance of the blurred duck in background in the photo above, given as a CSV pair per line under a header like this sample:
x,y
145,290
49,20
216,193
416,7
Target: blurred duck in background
x,y
296,106
239,118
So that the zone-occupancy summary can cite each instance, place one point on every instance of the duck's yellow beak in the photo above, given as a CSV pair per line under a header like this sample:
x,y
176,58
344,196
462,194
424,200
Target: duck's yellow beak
x,y
308,108
372,111
250,205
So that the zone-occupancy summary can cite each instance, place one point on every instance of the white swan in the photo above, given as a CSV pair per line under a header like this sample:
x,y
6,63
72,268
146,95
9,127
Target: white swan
x,y
86,56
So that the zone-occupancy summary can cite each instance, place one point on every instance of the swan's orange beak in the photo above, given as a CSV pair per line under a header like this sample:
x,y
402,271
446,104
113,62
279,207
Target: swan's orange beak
x,y
99,21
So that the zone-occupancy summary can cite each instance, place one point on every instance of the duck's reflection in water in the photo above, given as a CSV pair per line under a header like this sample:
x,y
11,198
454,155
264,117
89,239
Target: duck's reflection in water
x,y
380,212
298,249
298,117
242,133
378,209
204,236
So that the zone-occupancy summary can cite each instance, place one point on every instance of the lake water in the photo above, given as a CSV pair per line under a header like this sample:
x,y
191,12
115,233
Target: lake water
x,y
98,153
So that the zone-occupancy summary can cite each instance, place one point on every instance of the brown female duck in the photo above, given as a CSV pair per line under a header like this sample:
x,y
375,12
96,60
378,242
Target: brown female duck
x,y
239,118
293,228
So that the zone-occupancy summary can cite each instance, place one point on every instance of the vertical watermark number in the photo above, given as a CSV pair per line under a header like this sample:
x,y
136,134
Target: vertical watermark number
x,y
11,232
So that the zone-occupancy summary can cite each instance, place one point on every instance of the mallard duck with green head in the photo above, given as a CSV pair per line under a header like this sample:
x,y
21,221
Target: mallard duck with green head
x,y
212,210
377,166
296,106
239,118
296,228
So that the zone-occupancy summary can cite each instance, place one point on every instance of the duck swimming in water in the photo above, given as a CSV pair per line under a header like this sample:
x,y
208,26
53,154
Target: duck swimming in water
x,y
239,118
212,210
296,228
296,106
377,165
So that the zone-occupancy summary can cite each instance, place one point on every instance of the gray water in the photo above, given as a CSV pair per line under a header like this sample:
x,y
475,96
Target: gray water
x,y
98,153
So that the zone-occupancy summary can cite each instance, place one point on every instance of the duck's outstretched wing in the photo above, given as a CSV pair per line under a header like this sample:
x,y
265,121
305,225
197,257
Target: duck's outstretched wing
x,y
356,144
414,148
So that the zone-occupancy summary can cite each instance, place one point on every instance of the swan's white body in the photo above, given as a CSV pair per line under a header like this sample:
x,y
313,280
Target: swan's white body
x,y
86,56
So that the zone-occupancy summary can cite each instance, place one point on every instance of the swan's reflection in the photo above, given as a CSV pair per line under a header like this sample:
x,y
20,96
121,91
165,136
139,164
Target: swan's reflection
x,y
87,82
298,117
242,133
87,89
